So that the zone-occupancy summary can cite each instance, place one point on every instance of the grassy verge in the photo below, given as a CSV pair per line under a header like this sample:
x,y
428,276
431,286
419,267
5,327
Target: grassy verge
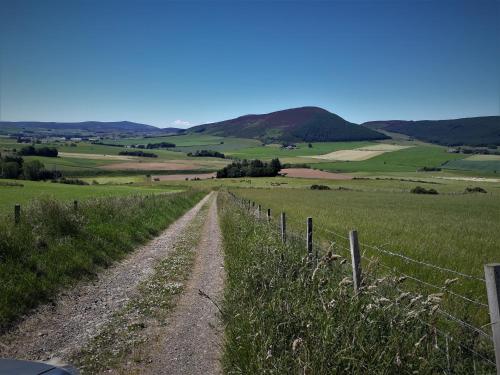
x,y
125,340
284,314
54,245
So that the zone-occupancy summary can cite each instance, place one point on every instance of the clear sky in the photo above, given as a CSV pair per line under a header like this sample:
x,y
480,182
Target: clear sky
x,y
180,63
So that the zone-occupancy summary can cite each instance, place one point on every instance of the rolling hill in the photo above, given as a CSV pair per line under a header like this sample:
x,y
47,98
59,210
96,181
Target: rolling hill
x,y
472,131
86,128
308,124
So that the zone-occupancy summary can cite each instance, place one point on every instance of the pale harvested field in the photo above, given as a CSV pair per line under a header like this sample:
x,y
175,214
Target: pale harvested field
x,y
182,177
349,155
314,173
483,157
383,147
359,154
473,179
96,156
171,165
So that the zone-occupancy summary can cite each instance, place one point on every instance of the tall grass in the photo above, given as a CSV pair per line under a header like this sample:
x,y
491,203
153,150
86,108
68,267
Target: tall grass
x,y
54,245
285,314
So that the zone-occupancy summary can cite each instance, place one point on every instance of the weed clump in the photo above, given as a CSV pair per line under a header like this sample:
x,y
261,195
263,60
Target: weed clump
x,y
476,189
320,187
422,190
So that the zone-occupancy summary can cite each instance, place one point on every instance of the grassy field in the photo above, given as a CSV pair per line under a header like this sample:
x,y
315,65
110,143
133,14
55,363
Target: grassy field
x,y
407,160
284,313
54,245
452,230
9,195
489,167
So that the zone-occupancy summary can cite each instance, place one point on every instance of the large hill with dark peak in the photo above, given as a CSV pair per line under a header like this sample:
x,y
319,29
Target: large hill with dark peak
x,y
472,131
82,128
309,124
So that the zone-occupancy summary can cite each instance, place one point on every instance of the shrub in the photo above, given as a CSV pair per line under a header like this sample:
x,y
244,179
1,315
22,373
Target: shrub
x,y
50,152
476,189
320,187
429,169
70,181
138,153
421,190
160,145
207,153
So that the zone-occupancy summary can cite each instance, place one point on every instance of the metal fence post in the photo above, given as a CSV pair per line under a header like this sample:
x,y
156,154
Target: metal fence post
x,y
283,227
268,214
492,276
356,259
75,205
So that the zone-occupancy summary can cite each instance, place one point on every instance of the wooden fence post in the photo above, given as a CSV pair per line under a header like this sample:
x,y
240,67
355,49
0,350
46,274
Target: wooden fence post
x,y
75,205
17,213
309,237
492,276
283,227
356,259
268,214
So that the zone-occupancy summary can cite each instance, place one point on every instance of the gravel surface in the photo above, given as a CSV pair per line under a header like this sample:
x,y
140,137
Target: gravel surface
x,y
192,340
56,331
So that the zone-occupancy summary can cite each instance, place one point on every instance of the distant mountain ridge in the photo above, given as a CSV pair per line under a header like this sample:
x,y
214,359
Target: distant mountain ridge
x,y
308,124
472,131
90,127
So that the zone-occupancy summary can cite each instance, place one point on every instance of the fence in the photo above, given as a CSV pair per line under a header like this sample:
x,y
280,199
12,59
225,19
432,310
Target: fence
x,y
491,279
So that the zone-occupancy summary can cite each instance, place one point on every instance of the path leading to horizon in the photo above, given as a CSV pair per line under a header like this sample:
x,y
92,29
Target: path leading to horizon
x,y
190,341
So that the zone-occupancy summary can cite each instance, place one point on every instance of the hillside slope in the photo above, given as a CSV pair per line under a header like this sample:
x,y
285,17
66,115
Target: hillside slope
x,y
473,131
309,124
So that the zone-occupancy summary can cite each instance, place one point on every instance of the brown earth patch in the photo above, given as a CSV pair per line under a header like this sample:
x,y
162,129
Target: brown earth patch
x,y
314,173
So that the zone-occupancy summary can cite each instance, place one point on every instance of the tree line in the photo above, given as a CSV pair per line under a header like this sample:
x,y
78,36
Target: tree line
x,y
250,168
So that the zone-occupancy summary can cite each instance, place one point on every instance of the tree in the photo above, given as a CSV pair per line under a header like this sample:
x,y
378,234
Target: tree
x,y
9,169
32,170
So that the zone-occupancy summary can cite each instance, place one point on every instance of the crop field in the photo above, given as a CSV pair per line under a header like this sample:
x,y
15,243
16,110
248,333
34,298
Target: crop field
x,y
285,311
480,157
456,231
272,151
362,153
489,167
20,191
406,160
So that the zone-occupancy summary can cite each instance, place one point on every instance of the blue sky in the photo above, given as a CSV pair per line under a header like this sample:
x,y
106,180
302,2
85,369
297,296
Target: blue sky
x,y
180,63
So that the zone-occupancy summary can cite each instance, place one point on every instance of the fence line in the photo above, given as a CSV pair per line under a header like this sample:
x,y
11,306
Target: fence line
x,y
356,256
409,259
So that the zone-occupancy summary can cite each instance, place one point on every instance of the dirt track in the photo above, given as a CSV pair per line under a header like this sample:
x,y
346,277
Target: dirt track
x,y
57,331
193,337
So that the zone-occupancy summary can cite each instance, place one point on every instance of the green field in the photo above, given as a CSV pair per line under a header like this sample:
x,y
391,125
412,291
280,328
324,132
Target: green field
x,y
273,151
453,230
490,167
407,160
285,312
9,195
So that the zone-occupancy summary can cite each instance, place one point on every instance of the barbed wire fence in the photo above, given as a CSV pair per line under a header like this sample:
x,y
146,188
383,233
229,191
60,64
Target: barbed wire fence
x,y
356,251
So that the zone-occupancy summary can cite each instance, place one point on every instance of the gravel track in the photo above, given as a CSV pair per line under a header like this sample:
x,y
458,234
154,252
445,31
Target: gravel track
x,y
192,340
56,331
